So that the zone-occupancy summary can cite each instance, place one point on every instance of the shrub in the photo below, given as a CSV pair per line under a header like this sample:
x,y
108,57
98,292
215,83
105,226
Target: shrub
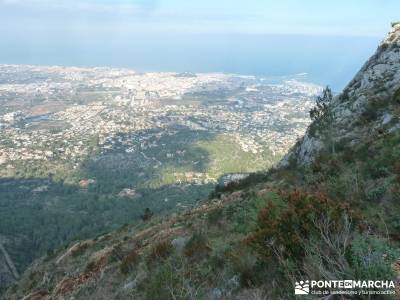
x,y
197,247
214,217
159,251
376,193
219,255
160,283
348,155
376,169
349,186
79,248
286,227
344,96
372,257
244,264
395,23
326,164
171,281
347,254
396,97
370,113
325,254
396,168
117,254
147,214
393,220
129,261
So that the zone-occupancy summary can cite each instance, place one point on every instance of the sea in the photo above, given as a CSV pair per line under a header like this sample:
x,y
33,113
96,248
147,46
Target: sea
x,y
325,60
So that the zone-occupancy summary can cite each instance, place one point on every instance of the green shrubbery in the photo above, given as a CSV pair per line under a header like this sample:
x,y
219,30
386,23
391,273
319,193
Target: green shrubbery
x,y
159,251
347,254
372,257
288,224
244,263
215,216
197,247
396,97
161,283
129,262
173,280
311,236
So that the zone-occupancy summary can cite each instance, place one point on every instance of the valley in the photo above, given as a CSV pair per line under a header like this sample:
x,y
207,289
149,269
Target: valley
x,y
87,150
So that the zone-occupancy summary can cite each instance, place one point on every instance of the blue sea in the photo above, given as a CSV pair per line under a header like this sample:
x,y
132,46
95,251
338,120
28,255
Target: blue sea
x,y
328,60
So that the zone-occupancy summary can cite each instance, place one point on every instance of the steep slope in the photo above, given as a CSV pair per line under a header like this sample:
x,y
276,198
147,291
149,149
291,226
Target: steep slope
x,y
8,272
368,105
329,211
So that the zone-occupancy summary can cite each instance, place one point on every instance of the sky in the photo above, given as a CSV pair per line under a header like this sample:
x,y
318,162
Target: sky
x,y
340,17
196,35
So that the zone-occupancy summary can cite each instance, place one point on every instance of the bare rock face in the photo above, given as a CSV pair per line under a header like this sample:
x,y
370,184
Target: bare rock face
x,y
309,147
364,106
380,75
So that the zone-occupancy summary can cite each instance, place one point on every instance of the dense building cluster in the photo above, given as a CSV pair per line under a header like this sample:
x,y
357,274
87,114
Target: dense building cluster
x,y
59,114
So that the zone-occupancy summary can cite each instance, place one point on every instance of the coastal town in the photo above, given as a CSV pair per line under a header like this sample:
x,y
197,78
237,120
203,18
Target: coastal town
x,y
60,115
83,150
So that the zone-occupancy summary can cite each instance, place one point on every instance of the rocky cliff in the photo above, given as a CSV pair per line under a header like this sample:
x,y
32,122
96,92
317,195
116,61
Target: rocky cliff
x,y
371,96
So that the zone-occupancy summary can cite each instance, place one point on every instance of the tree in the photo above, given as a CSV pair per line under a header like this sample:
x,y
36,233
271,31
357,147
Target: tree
x,y
323,115
147,214
322,110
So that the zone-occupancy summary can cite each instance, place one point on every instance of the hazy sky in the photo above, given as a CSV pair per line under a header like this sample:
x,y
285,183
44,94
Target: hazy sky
x,y
334,17
330,40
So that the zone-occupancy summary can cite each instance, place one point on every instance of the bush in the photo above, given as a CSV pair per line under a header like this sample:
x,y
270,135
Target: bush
x,y
346,254
372,257
370,113
171,281
159,251
396,97
197,247
286,225
215,216
129,261
160,284
395,23
348,155
147,214
79,249
244,264
376,193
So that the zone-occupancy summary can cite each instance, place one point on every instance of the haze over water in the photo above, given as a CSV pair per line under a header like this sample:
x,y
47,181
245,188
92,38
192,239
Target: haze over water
x,y
327,40
327,60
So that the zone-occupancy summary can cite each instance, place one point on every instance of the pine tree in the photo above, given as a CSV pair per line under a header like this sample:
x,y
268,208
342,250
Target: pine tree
x,y
323,115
